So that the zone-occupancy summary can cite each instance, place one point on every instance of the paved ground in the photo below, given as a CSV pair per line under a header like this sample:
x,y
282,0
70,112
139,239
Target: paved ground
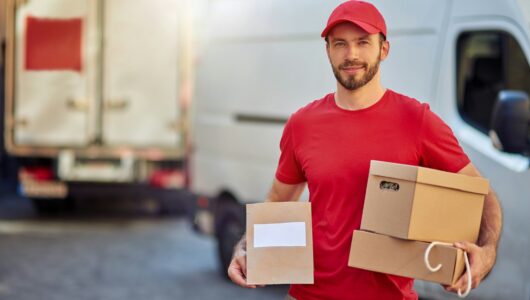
x,y
108,256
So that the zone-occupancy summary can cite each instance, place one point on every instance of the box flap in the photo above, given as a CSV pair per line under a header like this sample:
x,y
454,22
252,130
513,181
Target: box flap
x,y
393,170
424,175
455,181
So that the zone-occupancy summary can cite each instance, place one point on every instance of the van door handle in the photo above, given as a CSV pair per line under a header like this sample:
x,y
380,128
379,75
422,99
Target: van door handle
x,y
117,104
21,122
177,126
77,104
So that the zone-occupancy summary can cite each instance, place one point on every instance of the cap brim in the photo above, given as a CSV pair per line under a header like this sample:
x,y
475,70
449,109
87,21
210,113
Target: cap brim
x,y
364,26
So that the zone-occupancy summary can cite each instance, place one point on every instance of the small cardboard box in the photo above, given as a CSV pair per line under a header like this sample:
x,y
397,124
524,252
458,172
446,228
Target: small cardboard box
x,y
385,254
423,204
279,243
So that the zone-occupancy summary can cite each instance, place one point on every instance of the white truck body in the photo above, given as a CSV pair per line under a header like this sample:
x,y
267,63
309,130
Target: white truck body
x,y
140,72
262,60
122,112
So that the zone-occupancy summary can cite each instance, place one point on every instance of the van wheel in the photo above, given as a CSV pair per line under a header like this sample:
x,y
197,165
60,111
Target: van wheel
x,y
231,230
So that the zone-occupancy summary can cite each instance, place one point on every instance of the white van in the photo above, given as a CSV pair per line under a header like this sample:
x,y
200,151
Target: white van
x,y
262,60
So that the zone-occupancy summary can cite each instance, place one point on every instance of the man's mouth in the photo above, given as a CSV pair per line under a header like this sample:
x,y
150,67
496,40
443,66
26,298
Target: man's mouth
x,y
352,69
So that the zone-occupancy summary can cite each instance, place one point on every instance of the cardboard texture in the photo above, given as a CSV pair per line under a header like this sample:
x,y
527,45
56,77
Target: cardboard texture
x,y
381,253
279,264
423,204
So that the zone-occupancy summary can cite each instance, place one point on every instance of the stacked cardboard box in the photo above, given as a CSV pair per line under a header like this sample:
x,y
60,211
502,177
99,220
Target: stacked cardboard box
x,y
406,208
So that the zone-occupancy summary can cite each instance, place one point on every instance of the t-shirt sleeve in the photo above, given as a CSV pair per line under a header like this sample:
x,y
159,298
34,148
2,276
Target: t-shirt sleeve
x,y
289,170
439,148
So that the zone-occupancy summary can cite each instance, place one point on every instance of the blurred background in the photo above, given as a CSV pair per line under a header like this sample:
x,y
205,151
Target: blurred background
x,y
134,131
94,201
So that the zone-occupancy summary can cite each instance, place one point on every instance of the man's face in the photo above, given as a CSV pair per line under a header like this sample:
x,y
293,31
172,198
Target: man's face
x,y
354,55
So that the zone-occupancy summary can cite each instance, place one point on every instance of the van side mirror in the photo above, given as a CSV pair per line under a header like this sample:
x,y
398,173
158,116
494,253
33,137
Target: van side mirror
x,y
510,123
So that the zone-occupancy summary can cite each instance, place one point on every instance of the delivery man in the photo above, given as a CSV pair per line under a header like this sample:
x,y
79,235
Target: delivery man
x,y
329,143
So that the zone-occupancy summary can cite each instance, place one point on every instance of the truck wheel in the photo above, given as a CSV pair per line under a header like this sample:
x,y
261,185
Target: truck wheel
x,y
232,228
47,206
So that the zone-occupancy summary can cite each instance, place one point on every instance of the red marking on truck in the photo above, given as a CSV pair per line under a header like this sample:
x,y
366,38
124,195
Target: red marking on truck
x,y
53,44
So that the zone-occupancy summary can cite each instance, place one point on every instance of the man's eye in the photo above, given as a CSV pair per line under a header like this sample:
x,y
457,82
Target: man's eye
x,y
340,44
363,43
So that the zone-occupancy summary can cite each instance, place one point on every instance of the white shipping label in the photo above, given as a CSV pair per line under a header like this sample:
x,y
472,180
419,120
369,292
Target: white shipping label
x,y
279,235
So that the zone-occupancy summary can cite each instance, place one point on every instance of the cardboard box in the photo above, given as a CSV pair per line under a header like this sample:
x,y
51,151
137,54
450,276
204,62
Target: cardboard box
x,y
423,204
384,254
279,243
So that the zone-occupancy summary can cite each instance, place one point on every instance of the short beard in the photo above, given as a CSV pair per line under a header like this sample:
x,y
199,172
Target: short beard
x,y
350,83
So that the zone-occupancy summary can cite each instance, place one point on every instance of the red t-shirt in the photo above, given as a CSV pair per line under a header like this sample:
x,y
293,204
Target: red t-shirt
x,y
331,149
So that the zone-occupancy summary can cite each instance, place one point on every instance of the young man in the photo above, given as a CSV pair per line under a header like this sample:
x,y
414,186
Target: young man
x,y
329,143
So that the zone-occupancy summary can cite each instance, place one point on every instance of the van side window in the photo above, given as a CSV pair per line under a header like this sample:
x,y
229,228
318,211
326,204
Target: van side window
x,y
488,62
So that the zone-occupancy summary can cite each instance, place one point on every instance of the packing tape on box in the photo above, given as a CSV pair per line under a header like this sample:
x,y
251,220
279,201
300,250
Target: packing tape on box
x,y
439,266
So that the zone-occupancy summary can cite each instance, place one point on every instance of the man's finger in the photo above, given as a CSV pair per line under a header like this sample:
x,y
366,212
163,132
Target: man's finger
x,y
241,259
466,246
460,284
236,275
472,250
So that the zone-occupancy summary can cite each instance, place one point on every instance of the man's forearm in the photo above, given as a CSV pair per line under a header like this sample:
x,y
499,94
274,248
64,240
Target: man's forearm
x,y
491,224
284,192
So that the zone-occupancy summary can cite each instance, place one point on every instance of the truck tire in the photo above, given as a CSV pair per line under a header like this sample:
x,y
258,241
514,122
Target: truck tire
x,y
231,228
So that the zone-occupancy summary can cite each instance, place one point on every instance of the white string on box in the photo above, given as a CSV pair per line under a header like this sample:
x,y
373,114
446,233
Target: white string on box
x,y
439,266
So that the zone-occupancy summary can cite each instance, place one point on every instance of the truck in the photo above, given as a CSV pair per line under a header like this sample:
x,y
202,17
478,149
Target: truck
x,y
97,95
260,61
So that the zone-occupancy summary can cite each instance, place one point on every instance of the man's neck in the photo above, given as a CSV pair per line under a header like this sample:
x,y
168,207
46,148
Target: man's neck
x,y
360,98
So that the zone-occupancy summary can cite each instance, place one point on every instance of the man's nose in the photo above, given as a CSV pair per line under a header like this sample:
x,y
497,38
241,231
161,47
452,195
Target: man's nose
x,y
352,53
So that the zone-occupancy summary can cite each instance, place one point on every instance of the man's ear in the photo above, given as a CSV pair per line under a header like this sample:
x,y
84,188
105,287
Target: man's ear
x,y
385,50
327,48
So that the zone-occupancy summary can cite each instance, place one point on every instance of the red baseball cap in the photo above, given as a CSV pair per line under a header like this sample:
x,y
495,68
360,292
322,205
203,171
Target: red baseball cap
x,y
360,13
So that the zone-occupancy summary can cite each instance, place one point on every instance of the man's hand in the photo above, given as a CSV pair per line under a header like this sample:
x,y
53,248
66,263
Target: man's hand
x,y
237,271
483,254
481,260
